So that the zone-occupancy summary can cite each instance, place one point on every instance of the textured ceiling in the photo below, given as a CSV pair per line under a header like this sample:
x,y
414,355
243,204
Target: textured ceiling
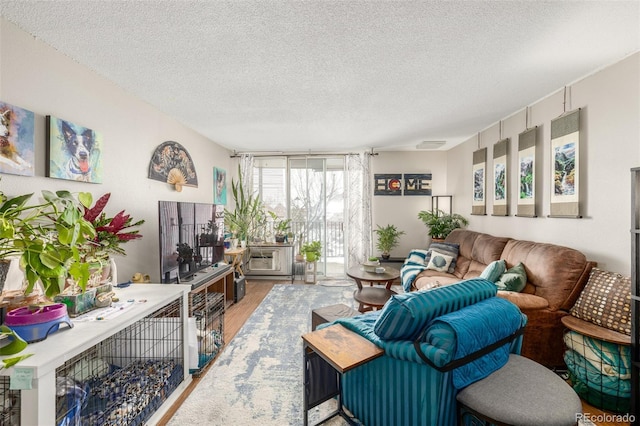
x,y
336,75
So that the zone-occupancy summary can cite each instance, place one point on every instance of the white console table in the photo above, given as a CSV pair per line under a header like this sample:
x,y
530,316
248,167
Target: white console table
x,y
38,405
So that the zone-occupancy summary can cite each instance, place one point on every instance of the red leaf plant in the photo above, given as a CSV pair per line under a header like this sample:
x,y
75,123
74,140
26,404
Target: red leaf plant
x,y
111,232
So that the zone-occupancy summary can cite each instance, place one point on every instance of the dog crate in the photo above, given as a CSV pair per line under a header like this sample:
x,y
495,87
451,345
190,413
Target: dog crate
x,y
208,310
124,379
9,404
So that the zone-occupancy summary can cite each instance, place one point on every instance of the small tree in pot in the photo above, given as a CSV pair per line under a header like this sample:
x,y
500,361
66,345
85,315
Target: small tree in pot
x,y
388,238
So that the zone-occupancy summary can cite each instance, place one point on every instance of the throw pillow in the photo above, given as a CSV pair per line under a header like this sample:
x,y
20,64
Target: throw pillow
x,y
418,257
606,301
494,270
514,279
450,249
439,262
405,315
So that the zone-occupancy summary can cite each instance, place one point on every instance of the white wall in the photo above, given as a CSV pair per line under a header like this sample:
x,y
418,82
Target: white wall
x,y
609,148
402,211
36,77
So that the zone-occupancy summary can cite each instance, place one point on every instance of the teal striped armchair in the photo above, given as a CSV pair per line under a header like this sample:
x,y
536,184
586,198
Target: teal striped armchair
x,y
435,343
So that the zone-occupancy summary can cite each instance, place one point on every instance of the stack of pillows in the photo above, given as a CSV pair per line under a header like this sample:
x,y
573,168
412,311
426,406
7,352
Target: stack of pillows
x,y
512,279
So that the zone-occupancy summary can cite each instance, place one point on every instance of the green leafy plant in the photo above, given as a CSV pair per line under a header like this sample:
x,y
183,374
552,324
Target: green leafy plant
x,y
388,239
280,226
312,251
46,237
242,221
441,224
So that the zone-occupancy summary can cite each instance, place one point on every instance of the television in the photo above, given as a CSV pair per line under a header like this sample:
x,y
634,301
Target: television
x,y
191,238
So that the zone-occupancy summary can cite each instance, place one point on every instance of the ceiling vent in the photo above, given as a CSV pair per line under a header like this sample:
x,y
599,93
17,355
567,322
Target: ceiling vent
x,y
430,144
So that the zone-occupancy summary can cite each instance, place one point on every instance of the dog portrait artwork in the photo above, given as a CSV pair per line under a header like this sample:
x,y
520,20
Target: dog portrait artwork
x,y
16,140
74,151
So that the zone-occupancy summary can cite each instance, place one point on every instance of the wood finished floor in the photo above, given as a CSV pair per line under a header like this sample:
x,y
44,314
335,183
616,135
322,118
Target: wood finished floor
x,y
238,313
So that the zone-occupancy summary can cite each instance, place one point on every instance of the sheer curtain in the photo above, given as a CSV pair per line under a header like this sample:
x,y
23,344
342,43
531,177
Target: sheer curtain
x,y
358,215
246,168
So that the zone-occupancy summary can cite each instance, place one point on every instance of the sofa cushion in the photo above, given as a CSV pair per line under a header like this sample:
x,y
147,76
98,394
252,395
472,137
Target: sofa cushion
x,y
450,249
526,302
429,279
494,270
553,272
514,279
439,261
606,301
418,257
405,315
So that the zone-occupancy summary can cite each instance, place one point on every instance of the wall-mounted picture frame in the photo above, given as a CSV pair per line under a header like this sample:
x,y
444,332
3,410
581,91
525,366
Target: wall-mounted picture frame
x,y
565,166
16,140
387,184
478,204
74,152
527,164
417,184
220,186
500,178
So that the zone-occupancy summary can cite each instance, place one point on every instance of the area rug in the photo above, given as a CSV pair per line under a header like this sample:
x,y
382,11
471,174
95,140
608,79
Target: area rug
x,y
336,283
257,379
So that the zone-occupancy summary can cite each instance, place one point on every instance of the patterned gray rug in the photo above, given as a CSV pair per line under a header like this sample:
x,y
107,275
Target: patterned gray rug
x,y
257,379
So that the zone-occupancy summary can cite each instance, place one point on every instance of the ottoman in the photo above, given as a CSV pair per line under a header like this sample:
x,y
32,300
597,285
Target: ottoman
x,y
522,392
331,313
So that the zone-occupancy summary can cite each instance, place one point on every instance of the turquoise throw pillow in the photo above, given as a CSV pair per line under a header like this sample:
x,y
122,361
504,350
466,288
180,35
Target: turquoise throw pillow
x,y
494,270
405,315
514,279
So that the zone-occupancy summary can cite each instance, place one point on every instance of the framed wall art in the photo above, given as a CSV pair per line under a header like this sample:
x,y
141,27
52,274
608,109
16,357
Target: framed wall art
x,y
387,184
73,151
16,140
565,165
500,178
417,184
220,186
478,205
527,173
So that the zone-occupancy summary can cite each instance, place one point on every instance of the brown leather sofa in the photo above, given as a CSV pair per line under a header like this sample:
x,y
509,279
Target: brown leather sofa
x,y
555,277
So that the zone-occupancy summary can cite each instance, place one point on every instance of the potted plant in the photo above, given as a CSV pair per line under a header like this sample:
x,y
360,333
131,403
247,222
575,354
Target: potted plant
x,y
280,227
248,209
441,224
110,234
46,237
312,251
388,238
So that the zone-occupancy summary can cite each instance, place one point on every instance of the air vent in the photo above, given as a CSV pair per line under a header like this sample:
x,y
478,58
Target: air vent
x,y
430,144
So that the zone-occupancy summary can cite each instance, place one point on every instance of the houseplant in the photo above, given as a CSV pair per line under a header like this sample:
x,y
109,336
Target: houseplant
x,y
388,238
248,210
46,237
280,227
312,251
110,234
441,224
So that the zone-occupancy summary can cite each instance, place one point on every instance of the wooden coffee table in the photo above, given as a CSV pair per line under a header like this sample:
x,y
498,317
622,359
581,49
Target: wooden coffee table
x,y
369,296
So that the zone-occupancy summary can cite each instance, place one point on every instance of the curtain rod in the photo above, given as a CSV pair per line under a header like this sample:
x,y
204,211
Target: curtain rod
x,y
297,154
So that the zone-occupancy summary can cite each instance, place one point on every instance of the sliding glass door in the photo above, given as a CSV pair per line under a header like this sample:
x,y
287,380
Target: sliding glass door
x,y
316,207
309,191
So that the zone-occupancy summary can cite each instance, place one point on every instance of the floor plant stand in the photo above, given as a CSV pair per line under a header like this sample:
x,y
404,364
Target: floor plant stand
x,y
310,272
